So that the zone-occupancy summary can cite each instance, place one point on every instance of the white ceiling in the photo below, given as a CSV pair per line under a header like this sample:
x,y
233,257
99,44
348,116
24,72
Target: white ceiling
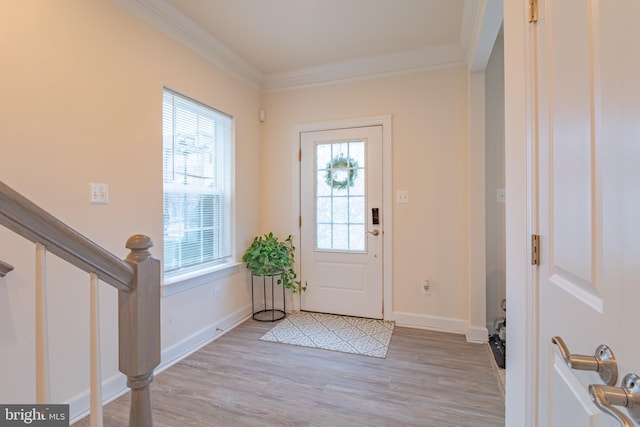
x,y
275,44
284,35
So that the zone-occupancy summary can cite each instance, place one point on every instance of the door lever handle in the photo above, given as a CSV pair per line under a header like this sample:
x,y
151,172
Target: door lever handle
x,y
603,362
375,232
606,398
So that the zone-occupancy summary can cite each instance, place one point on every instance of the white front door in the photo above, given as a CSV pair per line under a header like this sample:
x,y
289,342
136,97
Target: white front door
x,y
342,221
588,67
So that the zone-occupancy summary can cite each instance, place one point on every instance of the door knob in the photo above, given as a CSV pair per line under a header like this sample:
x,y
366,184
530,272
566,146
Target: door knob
x,y
602,362
606,398
375,232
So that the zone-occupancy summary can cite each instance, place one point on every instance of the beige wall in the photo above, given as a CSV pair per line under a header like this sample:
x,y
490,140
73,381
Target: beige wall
x,y
80,100
429,118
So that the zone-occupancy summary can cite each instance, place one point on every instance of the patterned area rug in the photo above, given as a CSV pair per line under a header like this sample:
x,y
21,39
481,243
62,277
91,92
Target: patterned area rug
x,y
368,337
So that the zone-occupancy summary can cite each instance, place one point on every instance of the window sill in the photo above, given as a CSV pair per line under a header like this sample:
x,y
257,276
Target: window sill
x,y
182,283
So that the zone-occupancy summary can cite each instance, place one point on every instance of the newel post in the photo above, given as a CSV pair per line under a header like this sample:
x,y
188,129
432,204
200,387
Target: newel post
x,y
139,329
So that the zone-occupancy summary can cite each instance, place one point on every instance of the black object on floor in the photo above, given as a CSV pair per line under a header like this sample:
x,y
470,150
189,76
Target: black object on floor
x,y
498,349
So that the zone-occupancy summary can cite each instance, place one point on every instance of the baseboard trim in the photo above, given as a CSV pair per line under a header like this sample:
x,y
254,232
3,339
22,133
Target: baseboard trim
x,y
473,334
477,334
432,323
116,386
112,388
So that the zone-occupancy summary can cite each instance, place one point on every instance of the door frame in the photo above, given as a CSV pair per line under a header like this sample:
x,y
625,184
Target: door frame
x,y
521,403
387,198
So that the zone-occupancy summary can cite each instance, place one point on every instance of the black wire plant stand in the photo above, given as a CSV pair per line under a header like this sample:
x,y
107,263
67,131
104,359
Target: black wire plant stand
x,y
267,313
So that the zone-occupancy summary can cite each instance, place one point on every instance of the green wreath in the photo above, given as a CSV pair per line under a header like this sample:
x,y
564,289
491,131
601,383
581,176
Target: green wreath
x,y
338,164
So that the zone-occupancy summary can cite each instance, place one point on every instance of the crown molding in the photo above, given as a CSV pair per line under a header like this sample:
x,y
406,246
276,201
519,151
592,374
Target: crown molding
x,y
471,14
367,68
167,19
171,22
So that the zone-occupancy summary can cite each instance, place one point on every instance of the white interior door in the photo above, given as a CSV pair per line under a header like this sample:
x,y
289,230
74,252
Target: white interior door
x,y
589,198
342,221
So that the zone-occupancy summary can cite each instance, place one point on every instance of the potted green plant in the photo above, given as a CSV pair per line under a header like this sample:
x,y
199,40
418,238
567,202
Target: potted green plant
x,y
268,256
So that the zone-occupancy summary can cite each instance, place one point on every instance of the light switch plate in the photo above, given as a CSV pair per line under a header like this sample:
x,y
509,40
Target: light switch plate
x,y
500,196
426,287
99,193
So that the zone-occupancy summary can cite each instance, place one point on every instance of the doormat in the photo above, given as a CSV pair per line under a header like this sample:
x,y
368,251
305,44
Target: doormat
x,y
357,335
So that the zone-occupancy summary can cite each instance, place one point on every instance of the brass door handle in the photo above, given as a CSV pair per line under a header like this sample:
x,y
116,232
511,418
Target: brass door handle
x,y
375,232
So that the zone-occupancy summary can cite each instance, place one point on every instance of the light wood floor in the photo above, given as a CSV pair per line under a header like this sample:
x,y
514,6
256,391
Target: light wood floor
x,y
428,379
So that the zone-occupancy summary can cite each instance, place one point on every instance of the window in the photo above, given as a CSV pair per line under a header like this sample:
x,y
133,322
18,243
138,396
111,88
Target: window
x,y
196,186
340,196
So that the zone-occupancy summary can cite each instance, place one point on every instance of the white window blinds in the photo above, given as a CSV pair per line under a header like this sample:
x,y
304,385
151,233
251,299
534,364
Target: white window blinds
x,y
197,185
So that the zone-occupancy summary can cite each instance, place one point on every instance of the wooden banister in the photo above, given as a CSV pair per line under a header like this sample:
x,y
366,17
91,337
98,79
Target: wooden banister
x,y
34,223
137,279
5,268
139,329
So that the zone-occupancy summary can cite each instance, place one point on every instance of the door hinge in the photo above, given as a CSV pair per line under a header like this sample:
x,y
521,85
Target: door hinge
x,y
299,221
533,11
535,249
299,155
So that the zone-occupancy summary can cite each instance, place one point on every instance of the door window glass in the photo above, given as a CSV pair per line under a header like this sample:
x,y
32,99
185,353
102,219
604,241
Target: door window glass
x,y
340,196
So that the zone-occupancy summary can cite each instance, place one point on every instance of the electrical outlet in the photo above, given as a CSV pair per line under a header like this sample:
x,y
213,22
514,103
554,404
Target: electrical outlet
x,y
217,293
402,196
425,287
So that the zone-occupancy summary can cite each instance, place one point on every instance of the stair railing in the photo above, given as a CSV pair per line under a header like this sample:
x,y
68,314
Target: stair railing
x,y
137,279
5,268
